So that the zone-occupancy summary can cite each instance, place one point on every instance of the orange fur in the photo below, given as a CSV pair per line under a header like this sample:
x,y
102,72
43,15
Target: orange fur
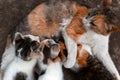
x,y
101,26
57,59
75,28
38,24
44,20
82,57
62,48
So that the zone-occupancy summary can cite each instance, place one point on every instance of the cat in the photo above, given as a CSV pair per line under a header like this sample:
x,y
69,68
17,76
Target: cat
x,y
97,29
52,61
26,54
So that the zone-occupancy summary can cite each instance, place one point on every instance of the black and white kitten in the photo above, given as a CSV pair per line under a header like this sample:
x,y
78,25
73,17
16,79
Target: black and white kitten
x,y
26,54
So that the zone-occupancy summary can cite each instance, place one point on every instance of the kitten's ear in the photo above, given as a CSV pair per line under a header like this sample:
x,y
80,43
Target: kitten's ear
x,y
106,3
17,38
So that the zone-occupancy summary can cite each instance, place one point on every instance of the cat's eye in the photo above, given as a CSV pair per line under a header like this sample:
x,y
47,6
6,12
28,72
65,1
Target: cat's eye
x,y
92,23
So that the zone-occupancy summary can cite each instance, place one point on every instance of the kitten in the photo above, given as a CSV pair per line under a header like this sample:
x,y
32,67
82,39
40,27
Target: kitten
x,y
26,54
53,70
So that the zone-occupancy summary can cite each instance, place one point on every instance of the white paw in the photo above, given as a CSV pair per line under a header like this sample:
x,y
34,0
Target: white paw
x,y
68,64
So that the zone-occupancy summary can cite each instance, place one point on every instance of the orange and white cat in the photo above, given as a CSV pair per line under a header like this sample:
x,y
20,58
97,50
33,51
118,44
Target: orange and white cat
x,y
96,32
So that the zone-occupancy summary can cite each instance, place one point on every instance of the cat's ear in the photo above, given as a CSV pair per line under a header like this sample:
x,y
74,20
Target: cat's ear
x,y
18,38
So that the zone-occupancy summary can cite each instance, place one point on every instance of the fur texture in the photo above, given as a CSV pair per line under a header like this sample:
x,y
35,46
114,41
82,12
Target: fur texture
x,y
45,19
26,54
53,69
98,29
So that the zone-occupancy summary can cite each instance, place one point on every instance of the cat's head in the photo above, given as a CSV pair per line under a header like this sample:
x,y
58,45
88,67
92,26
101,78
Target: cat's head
x,y
102,20
26,46
50,50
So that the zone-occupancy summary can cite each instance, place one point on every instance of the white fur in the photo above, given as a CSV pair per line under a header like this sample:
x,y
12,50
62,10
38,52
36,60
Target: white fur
x,y
86,22
87,48
54,53
9,53
33,38
70,44
53,72
12,65
8,56
19,65
99,44
42,66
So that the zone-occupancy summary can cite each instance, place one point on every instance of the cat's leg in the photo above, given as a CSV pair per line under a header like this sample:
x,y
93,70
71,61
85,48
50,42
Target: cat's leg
x,y
72,51
105,58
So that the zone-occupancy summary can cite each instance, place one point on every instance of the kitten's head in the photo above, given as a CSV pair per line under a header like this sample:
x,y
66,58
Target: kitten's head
x,y
102,20
50,49
26,46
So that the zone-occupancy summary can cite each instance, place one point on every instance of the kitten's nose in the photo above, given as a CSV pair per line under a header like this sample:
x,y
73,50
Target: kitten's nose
x,y
56,47
55,50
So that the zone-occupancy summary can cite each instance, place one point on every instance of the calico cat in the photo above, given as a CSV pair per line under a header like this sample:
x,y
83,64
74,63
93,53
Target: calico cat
x,y
97,29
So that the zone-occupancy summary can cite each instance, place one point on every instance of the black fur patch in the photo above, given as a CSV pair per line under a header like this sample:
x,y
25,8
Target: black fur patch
x,y
23,47
20,76
46,52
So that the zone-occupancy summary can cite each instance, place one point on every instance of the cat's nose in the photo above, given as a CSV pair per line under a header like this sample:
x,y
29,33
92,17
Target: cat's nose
x,y
56,47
